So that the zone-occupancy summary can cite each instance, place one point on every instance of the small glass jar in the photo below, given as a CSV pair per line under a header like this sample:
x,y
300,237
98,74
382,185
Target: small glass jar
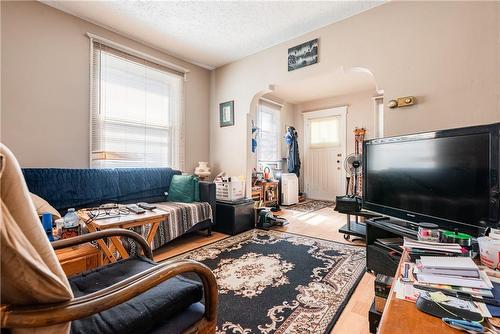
x,y
59,226
428,232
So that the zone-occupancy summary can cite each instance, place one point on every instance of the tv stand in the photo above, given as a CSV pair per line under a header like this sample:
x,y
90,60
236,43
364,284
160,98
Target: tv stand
x,y
380,259
355,228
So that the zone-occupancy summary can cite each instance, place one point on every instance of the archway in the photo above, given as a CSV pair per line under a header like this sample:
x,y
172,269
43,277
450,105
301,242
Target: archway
x,y
320,88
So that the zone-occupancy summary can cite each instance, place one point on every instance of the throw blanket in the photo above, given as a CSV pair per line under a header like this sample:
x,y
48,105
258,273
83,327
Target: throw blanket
x,y
183,216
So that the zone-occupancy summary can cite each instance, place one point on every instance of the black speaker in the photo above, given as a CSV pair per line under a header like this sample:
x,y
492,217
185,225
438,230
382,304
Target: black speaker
x,y
348,204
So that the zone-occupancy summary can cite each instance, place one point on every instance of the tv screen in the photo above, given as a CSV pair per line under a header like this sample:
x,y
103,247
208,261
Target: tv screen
x,y
430,177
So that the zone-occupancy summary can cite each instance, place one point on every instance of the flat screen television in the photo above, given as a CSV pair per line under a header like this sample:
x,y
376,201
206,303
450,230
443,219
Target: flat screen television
x,y
448,177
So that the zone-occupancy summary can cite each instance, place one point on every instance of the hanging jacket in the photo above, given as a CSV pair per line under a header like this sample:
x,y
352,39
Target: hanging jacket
x,y
293,151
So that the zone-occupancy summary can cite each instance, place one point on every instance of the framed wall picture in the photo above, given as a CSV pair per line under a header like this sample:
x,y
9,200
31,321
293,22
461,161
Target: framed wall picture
x,y
303,55
226,110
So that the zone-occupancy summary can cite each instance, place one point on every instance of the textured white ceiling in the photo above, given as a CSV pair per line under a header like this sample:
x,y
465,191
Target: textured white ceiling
x,y
213,33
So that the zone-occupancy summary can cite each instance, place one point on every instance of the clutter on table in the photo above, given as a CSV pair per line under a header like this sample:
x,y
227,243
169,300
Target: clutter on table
x,y
443,280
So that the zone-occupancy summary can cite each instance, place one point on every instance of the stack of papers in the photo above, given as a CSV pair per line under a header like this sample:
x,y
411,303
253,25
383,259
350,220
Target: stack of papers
x,y
458,289
455,266
456,271
433,247
422,281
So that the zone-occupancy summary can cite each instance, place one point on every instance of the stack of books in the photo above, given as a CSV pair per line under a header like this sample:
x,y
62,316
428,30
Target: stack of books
x,y
454,271
416,249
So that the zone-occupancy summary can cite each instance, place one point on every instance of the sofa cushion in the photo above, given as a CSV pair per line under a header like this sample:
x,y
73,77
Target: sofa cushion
x,y
43,206
184,189
66,188
144,184
73,188
140,314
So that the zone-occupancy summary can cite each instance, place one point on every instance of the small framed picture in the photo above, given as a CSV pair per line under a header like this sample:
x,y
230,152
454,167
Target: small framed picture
x,y
226,110
303,55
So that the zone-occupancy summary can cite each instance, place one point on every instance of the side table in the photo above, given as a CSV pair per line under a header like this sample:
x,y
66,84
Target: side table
x,y
234,218
75,260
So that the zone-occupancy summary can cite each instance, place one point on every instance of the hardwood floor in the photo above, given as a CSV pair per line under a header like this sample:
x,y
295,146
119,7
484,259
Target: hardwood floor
x,y
325,224
185,244
322,224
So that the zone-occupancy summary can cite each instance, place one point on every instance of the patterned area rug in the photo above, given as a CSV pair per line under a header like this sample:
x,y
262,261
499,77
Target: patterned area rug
x,y
276,282
310,205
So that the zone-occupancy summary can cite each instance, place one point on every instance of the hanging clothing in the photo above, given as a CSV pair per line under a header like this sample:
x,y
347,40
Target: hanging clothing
x,y
293,151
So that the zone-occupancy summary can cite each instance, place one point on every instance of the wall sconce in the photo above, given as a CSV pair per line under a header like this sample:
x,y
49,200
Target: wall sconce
x,y
401,102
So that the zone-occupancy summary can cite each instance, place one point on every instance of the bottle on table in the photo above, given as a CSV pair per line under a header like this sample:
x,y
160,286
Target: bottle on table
x,y
71,225
71,219
47,225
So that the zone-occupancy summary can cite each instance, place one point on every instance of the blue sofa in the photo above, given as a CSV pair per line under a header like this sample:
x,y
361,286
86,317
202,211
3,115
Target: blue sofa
x,y
79,188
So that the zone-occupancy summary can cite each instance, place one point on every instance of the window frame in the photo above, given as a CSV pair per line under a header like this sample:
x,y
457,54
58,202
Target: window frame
x,y
175,131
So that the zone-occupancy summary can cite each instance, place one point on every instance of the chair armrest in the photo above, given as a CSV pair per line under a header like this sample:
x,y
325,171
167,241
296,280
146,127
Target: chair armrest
x,y
207,194
112,232
81,307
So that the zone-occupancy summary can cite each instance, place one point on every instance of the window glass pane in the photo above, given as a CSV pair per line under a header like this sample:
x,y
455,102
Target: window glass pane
x,y
325,131
268,120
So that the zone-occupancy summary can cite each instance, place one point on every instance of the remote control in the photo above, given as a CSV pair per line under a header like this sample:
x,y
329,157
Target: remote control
x,y
135,209
146,206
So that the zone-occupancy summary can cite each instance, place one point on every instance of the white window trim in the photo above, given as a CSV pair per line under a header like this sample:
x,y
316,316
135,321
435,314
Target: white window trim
x,y
180,153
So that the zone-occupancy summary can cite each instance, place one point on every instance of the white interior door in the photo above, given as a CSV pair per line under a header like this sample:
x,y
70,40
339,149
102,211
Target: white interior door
x,y
325,150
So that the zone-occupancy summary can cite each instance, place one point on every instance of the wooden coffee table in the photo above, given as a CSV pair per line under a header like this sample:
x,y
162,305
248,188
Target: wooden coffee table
x,y
152,217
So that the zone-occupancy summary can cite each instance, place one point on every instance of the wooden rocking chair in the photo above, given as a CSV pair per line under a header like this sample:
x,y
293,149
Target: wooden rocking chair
x,y
131,295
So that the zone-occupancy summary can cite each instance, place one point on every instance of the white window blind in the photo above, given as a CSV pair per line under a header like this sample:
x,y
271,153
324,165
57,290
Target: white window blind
x,y
268,120
136,111
325,132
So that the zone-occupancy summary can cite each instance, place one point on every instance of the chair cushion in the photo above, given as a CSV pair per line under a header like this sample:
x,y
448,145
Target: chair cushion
x,y
30,271
180,322
140,314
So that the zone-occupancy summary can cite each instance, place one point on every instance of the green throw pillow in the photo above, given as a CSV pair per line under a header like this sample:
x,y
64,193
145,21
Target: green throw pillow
x,y
184,188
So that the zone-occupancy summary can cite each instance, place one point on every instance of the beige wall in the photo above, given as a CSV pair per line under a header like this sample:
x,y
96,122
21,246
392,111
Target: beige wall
x,y
45,88
360,113
444,53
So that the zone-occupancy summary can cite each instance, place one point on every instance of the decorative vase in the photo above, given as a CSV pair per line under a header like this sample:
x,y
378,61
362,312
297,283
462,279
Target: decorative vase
x,y
202,171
